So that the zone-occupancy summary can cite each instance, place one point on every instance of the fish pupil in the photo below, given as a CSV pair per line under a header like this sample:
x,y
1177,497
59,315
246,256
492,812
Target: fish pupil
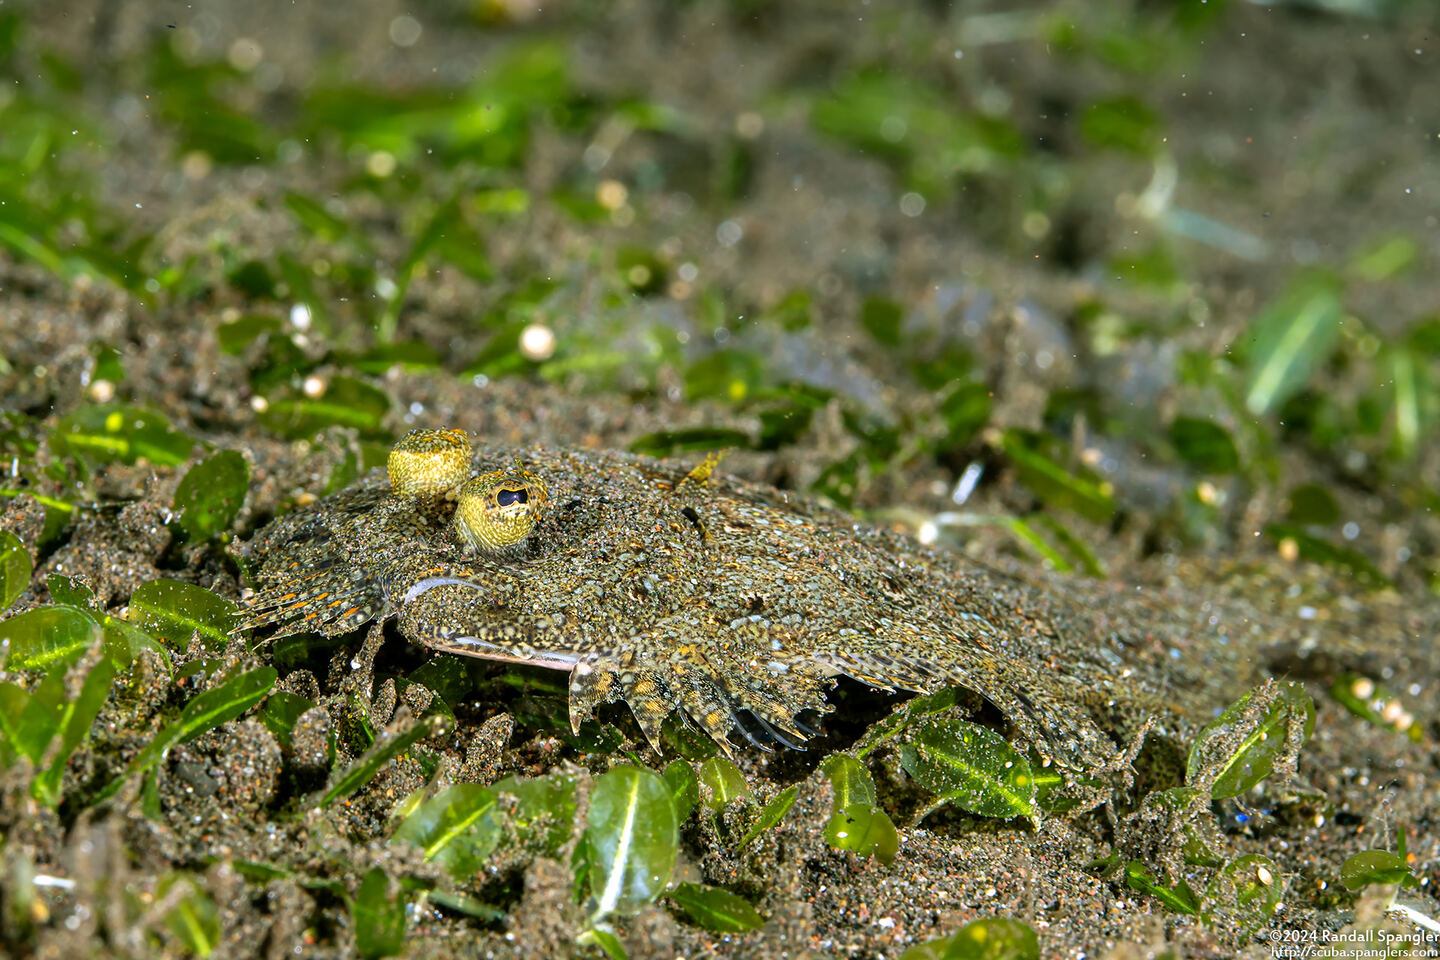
x,y
506,497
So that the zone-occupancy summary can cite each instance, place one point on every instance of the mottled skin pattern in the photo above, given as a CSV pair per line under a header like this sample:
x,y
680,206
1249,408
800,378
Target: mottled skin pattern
x,y
674,589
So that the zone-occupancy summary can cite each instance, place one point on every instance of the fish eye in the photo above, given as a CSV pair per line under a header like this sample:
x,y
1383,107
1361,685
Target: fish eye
x,y
507,497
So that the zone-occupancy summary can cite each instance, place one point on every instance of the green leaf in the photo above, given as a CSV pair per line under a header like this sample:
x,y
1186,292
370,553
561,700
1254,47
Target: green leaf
x,y
386,748
69,592
1178,897
1373,867
685,741
772,814
222,704
1053,483
379,919
1239,748
109,364
966,409
211,493
175,611
239,333
414,356
319,221
343,402
850,781
39,718
75,718
684,788
202,714
882,319
123,642
1244,894
109,432
1291,339
1322,551
544,811
1122,123
281,712
906,715
633,837
993,938
39,639
1075,548
865,830
716,909
1204,445
1312,504
1385,258
463,903
13,701
457,829
194,921
15,568
972,767
604,939
722,782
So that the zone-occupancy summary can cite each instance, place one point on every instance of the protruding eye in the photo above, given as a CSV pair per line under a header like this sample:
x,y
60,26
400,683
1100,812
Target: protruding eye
x,y
497,511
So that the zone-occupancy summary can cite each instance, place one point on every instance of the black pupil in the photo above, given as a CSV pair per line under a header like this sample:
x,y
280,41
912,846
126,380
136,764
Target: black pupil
x,y
507,497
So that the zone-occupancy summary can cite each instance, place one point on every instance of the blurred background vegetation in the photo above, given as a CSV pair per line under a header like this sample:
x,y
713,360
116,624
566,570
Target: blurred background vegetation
x,y
1160,269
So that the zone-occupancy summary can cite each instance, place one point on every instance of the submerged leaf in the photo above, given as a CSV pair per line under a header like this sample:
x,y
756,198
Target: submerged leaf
x,y
1322,551
544,811
343,402
15,568
1177,896
864,829
1373,867
1053,483
281,712
633,838
385,749
849,779
176,610
1292,337
39,639
664,443
457,829
684,788
108,432
772,814
75,719
716,909
721,782
201,715
1241,747
1204,445
993,938
379,919
1377,703
194,920
972,767
211,493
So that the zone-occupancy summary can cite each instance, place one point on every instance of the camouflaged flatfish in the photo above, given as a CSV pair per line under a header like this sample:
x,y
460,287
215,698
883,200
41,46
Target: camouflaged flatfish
x,y
678,589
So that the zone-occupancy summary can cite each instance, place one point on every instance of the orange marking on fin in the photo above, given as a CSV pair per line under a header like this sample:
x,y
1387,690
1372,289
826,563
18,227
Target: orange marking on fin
x,y
348,612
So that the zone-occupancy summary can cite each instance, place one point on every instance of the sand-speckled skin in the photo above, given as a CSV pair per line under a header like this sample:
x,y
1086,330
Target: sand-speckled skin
x,y
714,596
